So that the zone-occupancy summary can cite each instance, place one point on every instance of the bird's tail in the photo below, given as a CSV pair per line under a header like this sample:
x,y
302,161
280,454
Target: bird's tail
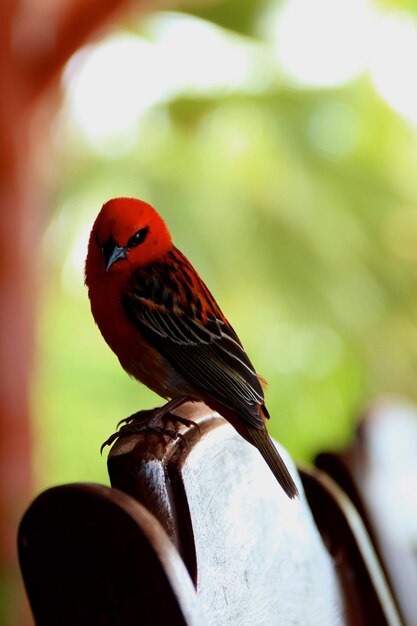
x,y
263,442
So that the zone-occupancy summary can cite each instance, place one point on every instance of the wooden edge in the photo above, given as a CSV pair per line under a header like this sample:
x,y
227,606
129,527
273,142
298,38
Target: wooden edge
x,y
338,467
128,552
148,464
371,475
366,590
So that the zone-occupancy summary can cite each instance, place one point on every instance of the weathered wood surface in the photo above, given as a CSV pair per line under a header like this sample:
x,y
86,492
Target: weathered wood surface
x,y
91,556
379,473
354,558
257,558
94,555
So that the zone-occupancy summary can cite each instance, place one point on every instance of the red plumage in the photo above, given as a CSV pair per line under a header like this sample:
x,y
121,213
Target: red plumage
x,y
166,328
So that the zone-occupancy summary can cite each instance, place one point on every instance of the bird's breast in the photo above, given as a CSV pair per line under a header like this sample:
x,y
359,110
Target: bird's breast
x,y
136,355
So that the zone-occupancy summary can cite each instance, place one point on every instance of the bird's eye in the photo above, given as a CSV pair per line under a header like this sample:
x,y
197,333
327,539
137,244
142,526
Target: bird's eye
x,y
96,238
138,237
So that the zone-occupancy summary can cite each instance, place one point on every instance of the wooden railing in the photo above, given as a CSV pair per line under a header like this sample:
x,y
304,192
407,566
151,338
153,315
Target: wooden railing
x,y
195,531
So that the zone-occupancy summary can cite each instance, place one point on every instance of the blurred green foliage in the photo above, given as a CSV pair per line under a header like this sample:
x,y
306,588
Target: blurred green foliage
x,y
299,209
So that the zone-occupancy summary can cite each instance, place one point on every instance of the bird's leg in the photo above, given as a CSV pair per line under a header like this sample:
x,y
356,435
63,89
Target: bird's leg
x,y
159,413
169,406
138,422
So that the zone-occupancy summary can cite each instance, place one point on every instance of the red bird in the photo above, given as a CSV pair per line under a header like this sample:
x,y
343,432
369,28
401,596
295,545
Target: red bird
x,y
167,330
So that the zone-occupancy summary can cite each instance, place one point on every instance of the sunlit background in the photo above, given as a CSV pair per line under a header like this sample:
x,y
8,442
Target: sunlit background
x,y
278,141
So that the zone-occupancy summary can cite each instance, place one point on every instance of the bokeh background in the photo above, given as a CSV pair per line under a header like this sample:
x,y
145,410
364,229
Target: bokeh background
x,y
278,141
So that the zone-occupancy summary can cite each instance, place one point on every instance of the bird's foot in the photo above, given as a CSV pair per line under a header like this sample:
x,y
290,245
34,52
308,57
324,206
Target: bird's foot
x,y
150,420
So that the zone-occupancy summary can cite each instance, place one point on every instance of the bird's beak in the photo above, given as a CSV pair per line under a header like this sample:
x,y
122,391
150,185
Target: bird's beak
x,y
112,253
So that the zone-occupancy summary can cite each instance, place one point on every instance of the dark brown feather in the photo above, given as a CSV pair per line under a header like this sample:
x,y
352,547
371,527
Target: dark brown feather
x,y
206,352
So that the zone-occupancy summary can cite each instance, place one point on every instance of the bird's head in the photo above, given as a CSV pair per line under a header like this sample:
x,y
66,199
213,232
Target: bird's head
x,y
127,234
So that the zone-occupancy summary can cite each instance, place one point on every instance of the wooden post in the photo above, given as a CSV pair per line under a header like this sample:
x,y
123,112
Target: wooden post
x,y
36,39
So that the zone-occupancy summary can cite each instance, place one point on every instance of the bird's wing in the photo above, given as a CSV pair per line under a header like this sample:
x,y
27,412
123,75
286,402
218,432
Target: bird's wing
x,y
206,351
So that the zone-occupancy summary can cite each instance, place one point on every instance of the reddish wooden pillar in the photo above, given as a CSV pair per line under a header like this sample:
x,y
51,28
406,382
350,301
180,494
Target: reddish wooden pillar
x,y
16,316
36,39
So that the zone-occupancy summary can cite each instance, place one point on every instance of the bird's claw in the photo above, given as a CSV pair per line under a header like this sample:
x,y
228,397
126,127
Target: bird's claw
x,y
123,421
187,422
135,418
169,433
109,441
135,424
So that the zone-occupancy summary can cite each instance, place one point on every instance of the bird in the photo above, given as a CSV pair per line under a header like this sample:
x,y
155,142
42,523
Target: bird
x,y
167,330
